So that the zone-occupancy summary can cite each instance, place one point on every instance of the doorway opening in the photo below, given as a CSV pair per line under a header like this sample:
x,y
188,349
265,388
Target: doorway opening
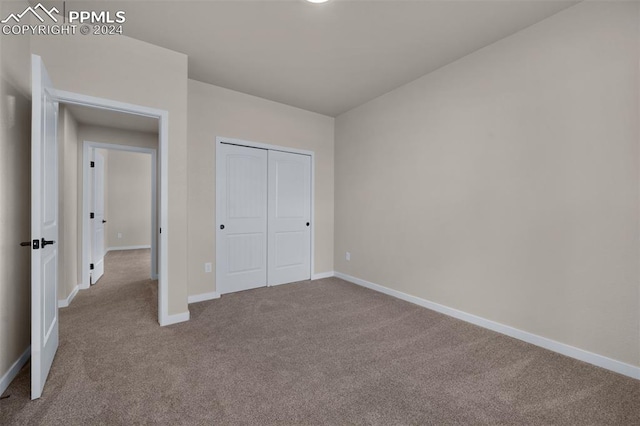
x,y
119,209
118,113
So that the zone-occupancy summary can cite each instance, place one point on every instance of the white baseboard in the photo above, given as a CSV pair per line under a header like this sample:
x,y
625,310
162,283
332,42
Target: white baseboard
x,y
322,275
552,345
63,303
175,319
203,297
13,371
127,248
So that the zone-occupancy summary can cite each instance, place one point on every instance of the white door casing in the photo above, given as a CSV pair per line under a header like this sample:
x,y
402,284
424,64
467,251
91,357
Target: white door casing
x,y
162,231
289,231
97,223
88,149
44,226
241,219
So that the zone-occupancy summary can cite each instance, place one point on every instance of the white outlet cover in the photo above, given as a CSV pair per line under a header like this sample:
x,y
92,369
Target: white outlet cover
x,y
348,256
207,267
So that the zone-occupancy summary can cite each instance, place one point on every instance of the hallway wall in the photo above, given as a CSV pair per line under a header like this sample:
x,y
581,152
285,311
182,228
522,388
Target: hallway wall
x,y
68,228
128,200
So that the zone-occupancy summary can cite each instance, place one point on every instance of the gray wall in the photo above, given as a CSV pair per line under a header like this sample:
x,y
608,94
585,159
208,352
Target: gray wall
x,y
506,184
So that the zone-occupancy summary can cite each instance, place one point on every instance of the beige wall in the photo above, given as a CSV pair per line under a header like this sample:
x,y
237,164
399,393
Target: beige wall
x,y
15,204
114,136
128,70
506,184
128,199
69,272
214,111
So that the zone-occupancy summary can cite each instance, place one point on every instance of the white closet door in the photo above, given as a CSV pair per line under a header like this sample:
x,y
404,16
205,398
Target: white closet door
x,y
289,218
241,218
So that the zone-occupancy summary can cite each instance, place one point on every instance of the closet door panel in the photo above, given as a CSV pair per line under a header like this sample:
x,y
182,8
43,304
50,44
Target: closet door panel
x,y
289,230
241,218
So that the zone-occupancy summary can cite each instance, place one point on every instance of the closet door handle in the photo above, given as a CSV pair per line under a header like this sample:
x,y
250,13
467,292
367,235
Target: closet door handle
x,y
221,226
307,223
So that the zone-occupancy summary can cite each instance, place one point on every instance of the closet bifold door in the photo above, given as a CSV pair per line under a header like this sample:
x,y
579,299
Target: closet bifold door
x,y
289,229
241,218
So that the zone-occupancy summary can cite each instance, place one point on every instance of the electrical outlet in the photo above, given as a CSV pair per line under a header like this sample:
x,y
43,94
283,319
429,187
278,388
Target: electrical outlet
x,y
207,267
119,234
348,256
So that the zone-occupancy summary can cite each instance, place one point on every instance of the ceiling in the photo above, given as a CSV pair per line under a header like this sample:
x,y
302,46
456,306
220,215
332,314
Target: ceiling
x,y
326,58
89,116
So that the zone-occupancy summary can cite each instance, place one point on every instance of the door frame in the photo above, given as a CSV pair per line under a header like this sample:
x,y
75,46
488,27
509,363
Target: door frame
x,y
91,186
163,144
87,148
249,144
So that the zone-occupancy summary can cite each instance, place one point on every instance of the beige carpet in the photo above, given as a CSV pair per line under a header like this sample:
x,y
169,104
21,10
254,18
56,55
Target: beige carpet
x,y
326,352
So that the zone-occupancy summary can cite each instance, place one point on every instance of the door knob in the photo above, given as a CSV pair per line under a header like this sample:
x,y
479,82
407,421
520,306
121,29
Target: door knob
x,y
104,221
45,243
307,223
221,226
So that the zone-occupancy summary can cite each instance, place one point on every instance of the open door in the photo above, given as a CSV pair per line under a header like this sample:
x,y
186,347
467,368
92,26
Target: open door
x,y
44,226
97,218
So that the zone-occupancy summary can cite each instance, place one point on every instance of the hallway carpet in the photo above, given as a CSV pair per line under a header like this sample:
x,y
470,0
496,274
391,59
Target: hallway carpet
x,y
325,352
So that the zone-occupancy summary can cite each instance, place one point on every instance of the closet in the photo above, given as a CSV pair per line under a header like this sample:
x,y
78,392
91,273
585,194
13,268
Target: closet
x,y
263,216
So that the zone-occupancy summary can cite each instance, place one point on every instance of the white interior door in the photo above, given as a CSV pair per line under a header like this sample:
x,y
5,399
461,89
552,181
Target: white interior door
x,y
241,218
98,221
44,227
289,218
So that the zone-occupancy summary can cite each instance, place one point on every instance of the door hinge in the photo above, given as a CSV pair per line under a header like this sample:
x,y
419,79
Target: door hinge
x,y
91,266
36,244
161,230
92,215
93,164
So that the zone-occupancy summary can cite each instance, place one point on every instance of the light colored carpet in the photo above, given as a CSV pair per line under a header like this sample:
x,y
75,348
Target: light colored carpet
x,y
326,352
